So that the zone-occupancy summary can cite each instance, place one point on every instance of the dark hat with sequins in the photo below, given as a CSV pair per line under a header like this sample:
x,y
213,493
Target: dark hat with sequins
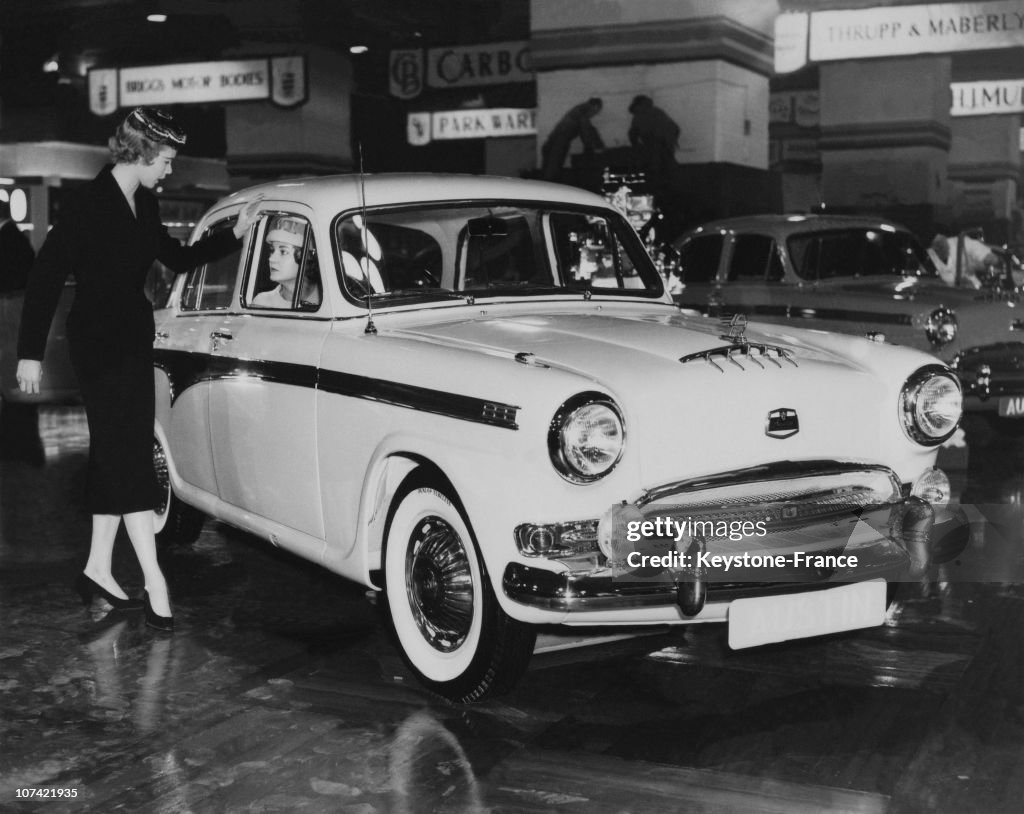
x,y
157,126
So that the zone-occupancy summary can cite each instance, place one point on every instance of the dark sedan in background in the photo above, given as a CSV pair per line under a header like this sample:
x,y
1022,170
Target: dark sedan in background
x,y
858,275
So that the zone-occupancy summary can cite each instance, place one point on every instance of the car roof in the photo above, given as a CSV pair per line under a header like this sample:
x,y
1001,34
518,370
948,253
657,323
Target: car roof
x,y
340,192
794,223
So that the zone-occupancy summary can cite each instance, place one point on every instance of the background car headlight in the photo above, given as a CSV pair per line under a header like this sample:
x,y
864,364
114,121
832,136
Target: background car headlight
x,y
941,327
931,404
586,438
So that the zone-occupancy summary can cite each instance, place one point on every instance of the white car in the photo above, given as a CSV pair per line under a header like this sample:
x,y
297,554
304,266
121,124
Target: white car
x,y
474,394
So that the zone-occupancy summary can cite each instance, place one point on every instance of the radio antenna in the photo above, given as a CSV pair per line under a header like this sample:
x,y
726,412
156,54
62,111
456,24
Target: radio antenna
x,y
365,262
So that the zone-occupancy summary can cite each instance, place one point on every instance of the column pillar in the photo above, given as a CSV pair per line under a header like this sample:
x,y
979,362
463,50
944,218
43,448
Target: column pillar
x,y
266,141
885,138
984,171
706,63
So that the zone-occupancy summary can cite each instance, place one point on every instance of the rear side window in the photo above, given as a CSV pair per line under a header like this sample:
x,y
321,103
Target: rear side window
x,y
209,287
699,258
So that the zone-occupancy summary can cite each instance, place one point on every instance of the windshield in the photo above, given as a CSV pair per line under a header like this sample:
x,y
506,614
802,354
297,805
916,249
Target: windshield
x,y
858,252
490,249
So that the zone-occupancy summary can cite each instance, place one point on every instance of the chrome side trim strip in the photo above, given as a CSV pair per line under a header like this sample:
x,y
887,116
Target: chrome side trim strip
x,y
185,369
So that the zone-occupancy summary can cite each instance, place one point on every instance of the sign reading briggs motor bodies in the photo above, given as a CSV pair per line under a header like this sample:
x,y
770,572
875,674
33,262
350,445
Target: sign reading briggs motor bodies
x,y
422,128
280,79
864,33
458,66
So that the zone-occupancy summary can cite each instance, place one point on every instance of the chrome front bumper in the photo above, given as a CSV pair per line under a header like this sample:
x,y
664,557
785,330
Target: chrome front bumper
x,y
902,537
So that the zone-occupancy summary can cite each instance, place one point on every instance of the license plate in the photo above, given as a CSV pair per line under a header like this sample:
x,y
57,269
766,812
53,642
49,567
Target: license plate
x,y
1011,406
766,619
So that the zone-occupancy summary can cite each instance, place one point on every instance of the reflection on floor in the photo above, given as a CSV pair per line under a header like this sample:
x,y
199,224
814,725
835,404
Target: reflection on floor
x,y
280,690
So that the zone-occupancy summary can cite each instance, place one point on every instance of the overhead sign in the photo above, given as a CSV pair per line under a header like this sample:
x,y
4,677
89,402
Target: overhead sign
x,y
279,79
412,70
987,97
422,128
864,33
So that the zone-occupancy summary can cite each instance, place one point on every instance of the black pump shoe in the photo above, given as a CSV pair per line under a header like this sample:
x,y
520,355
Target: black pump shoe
x,y
155,620
89,590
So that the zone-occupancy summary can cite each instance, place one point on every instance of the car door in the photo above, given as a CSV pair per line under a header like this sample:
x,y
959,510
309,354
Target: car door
x,y
181,350
263,407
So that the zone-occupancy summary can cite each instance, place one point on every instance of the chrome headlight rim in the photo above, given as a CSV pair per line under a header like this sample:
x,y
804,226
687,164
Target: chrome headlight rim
x,y
558,424
909,396
936,319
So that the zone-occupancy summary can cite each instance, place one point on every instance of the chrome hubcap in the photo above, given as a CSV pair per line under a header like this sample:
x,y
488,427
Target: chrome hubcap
x,y
163,479
439,584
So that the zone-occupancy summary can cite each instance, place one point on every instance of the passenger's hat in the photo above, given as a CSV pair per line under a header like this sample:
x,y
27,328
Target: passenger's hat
x,y
286,230
156,125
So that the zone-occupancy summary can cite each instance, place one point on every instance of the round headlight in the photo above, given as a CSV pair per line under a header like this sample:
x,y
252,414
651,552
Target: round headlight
x,y
931,404
941,327
586,438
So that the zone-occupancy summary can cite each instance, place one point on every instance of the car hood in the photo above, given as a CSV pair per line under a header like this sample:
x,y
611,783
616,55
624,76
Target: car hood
x,y
711,409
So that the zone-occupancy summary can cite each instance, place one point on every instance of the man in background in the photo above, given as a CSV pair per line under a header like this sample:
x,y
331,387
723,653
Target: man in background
x,y
574,124
16,254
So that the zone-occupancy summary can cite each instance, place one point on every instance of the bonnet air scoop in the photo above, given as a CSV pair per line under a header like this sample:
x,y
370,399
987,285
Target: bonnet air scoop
x,y
742,355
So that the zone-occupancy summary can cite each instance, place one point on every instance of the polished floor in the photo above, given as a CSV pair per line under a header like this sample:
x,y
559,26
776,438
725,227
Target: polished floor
x,y
280,690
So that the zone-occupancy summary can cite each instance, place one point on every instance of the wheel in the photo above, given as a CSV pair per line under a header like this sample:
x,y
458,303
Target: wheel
x,y
448,624
173,521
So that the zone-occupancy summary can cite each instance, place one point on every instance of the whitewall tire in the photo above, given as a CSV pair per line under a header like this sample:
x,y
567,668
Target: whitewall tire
x,y
449,626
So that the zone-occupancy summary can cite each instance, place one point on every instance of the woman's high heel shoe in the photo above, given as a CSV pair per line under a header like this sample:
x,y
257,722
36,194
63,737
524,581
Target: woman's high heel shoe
x,y
89,590
154,619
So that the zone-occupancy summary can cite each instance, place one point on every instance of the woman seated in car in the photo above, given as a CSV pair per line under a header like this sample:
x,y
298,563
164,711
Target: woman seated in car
x,y
285,245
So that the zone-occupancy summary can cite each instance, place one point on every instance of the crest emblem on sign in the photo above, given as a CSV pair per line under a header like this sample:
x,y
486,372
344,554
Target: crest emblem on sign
x,y
288,81
103,91
405,73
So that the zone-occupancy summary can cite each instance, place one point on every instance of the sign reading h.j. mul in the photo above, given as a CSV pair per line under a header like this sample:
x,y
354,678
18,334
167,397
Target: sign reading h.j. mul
x,y
987,97
280,79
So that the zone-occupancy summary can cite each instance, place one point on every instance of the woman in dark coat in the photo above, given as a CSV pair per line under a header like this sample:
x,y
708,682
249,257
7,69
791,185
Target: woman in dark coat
x,y
108,236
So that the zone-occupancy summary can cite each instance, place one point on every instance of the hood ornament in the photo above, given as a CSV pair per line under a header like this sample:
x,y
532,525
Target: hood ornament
x,y
735,328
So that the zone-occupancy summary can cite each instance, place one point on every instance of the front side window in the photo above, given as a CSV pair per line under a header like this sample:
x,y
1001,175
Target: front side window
x,y
479,250
285,269
209,287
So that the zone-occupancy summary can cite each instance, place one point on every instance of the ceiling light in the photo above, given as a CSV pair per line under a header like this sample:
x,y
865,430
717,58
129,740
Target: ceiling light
x,y
358,49
157,18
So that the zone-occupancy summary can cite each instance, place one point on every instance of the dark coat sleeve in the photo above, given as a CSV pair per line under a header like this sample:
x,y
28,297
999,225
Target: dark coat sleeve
x,y
179,257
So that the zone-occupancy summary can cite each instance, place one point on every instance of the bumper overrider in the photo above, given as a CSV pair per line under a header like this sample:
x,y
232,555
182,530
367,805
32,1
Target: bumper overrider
x,y
992,377
775,529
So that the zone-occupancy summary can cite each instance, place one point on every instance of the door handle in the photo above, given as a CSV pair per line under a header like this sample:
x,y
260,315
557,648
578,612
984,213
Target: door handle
x,y
217,337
